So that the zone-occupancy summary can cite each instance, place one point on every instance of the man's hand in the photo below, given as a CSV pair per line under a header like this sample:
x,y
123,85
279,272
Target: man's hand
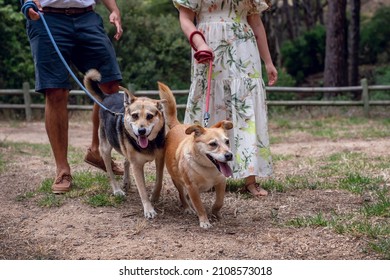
x,y
33,15
115,19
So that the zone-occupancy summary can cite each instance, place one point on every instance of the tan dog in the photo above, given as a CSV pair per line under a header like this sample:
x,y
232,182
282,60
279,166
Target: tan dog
x,y
196,159
137,132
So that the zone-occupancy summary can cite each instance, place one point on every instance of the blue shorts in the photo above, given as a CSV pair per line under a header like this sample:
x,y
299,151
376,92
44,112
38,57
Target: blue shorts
x,y
82,41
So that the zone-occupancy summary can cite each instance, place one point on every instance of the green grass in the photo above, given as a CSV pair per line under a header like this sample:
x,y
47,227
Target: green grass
x,y
317,220
93,188
51,200
234,185
327,127
2,163
27,149
381,208
382,247
357,183
281,157
104,200
41,150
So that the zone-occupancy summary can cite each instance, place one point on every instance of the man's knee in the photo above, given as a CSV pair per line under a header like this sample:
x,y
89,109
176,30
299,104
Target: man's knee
x,y
56,96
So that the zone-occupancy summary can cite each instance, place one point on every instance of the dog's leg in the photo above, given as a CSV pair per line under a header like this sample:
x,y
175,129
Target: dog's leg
x,y
126,176
198,205
138,171
219,197
105,151
184,198
159,176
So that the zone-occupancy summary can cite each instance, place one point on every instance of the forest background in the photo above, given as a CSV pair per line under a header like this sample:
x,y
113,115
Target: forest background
x,y
311,42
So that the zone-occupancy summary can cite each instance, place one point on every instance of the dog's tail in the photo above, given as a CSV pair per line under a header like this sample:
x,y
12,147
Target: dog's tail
x,y
91,82
169,105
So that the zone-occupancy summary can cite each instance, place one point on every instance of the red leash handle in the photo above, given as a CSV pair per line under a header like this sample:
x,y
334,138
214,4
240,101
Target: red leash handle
x,y
196,32
200,56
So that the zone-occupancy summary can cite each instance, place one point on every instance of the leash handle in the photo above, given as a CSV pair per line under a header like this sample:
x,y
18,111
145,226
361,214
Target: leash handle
x,y
200,56
26,6
196,32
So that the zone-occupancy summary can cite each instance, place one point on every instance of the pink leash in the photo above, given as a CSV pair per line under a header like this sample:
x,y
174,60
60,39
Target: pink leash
x,y
204,57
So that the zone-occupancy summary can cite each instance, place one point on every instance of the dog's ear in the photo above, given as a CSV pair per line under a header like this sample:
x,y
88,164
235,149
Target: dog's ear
x,y
199,130
128,96
161,103
226,125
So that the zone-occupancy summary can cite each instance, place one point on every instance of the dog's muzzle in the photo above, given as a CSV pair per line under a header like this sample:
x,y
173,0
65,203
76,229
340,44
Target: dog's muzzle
x,y
142,131
223,167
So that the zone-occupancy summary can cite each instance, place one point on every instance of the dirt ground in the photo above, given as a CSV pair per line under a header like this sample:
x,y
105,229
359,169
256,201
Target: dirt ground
x,y
249,229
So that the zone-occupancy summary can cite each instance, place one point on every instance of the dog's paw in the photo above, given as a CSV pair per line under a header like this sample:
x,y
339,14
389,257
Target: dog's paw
x,y
216,215
151,214
205,225
119,193
126,187
189,211
155,197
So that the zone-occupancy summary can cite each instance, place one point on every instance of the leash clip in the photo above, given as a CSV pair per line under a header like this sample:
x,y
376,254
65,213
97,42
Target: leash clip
x,y
206,118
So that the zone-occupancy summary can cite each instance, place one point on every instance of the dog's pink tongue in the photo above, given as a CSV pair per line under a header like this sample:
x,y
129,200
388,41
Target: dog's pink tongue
x,y
225,169
143,141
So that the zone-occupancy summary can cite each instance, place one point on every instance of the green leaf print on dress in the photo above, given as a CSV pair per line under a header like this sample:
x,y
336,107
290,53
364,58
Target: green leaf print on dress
x,y
264,150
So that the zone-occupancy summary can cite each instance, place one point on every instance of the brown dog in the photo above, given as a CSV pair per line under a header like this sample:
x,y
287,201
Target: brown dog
x,y
196,158
137,132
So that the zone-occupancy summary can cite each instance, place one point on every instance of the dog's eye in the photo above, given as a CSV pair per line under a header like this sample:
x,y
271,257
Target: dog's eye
x,y
227,142
213,144
135,116
149,117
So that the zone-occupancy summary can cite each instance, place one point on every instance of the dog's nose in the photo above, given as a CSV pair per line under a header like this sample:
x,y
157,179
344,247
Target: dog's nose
x,y
141,131
229,156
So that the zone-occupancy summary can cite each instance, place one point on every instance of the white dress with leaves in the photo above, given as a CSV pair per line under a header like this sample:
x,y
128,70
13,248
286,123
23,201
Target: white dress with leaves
x,y
237,88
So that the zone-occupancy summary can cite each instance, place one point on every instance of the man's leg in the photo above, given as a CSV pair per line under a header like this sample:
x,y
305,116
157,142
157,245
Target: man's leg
x,y
95,129
56,122
93,155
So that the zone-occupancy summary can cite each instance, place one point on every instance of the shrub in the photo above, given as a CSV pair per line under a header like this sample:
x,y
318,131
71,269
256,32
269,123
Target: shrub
x,y
374,41
381,77
306,54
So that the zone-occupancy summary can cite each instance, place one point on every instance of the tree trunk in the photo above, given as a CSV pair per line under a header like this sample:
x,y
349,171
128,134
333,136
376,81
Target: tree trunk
x,y
289,22
320,11
335,73
353,46
296,20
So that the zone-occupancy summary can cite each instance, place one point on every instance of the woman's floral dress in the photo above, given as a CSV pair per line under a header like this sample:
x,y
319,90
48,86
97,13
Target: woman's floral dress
x,y
237,87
